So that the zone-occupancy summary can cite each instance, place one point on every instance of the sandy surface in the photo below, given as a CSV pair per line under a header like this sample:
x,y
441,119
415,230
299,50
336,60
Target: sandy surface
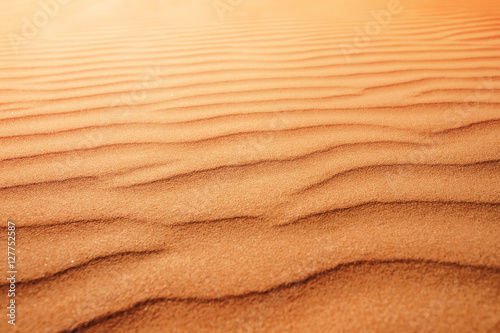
x,y
251,166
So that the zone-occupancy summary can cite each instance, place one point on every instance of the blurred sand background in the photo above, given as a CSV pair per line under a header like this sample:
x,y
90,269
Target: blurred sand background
x,y
251,166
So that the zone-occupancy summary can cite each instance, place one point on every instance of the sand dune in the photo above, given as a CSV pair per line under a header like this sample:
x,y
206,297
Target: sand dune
x,y
268,167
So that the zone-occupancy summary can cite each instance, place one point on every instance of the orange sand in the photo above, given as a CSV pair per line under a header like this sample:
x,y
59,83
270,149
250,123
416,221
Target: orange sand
x,y
264,166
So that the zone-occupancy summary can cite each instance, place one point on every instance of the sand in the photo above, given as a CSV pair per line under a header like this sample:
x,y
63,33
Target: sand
x,y
251,166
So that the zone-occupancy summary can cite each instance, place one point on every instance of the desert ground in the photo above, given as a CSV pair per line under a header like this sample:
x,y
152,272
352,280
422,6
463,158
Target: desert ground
x,y
250,166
